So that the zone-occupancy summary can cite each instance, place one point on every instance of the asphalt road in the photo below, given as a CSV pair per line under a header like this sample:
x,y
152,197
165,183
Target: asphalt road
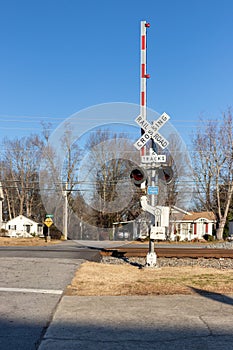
x,y
65,250
32,280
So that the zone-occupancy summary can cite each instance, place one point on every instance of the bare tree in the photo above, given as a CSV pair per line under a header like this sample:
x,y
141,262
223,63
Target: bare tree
x,y
20,175
106,176
58,177
213,167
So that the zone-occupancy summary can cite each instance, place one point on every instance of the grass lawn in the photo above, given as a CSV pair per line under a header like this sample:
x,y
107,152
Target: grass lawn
x,y
34,241
108,279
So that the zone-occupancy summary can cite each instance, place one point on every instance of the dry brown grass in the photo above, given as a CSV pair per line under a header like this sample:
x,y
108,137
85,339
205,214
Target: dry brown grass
x,y
106,279
35,241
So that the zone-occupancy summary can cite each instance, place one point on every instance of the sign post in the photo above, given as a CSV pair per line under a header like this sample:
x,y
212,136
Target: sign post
x,y
48,222
151,133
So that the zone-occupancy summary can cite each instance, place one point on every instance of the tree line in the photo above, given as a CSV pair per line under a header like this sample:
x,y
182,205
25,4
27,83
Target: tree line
x,y
92,186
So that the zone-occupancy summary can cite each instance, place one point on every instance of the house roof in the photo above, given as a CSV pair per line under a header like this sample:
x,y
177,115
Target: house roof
x,y
193,216
23,218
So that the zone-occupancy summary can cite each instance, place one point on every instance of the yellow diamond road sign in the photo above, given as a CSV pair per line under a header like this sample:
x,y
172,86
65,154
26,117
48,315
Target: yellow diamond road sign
x,y
48,222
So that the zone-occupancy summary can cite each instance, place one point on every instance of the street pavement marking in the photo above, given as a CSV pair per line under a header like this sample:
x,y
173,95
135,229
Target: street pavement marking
x,y
29,290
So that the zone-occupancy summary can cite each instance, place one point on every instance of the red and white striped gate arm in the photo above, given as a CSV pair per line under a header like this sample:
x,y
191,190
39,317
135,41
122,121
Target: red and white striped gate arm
x,y
144,76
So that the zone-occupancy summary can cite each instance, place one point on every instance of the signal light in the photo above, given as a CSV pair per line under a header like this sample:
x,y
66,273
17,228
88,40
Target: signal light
x,y
138,176
165,174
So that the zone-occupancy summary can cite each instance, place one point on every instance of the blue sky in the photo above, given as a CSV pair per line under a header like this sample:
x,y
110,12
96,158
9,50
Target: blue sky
x,y
60,56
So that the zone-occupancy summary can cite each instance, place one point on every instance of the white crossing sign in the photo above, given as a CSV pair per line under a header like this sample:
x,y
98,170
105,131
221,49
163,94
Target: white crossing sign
x,y
154,158
151,131
157,232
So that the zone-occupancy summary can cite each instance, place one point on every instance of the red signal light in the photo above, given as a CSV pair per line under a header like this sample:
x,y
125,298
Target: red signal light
x,y
165,174
138,176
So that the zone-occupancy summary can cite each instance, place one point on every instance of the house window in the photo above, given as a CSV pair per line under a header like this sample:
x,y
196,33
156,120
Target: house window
x,y
190,228
195,228
185,229
202,226
178,228
28,228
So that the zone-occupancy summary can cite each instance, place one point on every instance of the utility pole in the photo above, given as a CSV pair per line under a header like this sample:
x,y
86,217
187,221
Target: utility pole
x,y
1,205
65,213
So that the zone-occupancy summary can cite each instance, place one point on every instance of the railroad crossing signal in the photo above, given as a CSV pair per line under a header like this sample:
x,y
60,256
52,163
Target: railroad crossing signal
x,y
151,131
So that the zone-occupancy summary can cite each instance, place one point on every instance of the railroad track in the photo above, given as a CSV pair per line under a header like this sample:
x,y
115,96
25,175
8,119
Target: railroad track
x,y
170,252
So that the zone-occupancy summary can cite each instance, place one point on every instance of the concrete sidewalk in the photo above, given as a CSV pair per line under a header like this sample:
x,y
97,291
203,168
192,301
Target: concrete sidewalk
x,y
139,323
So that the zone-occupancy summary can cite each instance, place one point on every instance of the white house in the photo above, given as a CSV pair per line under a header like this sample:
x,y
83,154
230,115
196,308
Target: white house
x,y
231,227
192,225
21,226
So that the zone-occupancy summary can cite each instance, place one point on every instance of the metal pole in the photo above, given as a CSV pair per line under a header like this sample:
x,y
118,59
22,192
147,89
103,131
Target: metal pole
x,y
65,223
151,256
143,76
152,202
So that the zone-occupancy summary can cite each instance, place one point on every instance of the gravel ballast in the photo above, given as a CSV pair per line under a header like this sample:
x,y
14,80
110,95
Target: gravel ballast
x,y
222,263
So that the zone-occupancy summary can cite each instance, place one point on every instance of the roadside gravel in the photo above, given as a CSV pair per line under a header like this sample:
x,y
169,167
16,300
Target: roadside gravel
x,y
222,245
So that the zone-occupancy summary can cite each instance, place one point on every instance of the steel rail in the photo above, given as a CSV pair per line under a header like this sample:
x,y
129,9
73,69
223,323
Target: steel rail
x,y
170,252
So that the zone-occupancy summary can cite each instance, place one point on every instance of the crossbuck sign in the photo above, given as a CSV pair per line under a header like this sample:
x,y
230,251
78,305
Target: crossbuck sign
x,y
151,131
